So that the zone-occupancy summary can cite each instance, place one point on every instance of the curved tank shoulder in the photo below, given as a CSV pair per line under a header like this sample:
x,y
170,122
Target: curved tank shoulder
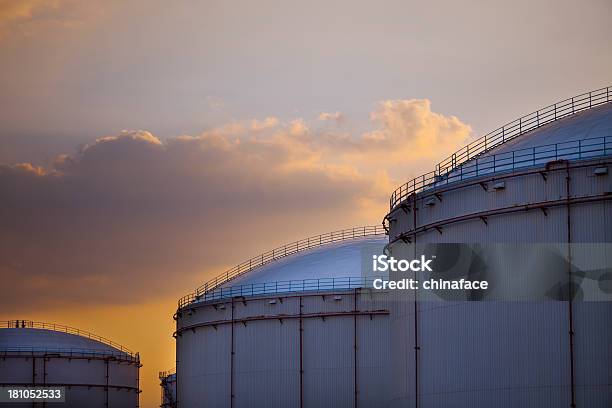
x,y
581,136
575,129
337,260
93,371
37,336
43,339
332,260
589,124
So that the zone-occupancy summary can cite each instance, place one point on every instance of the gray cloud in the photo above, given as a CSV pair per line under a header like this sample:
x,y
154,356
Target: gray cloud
x,y
130,217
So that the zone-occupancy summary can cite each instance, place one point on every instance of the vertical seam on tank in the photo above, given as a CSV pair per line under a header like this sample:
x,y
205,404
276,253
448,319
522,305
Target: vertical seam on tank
x,y
106,386
301,329
570,285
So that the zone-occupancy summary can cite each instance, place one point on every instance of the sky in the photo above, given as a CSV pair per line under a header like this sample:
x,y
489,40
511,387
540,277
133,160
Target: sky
x,y
147,146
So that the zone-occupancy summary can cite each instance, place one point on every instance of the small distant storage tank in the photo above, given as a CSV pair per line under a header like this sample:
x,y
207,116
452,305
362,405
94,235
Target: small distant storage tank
x,y
542,181
94,371
294,327
168,388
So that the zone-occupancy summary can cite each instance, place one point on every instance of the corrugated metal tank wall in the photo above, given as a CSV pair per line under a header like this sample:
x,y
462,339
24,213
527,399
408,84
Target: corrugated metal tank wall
x,y
259,352
93,379
496,353
168,390
84,378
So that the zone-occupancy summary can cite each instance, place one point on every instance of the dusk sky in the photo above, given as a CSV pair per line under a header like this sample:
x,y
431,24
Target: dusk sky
x,y
147,146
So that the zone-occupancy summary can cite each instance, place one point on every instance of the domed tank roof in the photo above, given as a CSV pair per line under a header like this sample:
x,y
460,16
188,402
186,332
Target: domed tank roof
x,y
577,128
592,123
583,135
36,336
336,260
333,260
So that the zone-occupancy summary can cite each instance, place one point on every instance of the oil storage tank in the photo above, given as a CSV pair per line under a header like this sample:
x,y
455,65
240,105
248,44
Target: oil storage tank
x,y
533,199
293,327
94,371
168,388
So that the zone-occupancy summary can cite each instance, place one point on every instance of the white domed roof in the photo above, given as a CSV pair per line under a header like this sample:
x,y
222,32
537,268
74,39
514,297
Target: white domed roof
x,y
334,260
591,123
45,339
584,135
338,260
577,128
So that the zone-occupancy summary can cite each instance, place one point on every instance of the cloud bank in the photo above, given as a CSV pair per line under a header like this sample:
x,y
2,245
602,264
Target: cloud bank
x,y
130,216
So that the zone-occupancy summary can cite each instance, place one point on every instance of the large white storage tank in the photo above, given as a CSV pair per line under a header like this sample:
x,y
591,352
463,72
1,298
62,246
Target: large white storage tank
x,y
94,371
293,327
542,180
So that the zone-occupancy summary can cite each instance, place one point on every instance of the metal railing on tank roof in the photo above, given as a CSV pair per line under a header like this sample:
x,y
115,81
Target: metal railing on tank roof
x,y
499,136
284,287
532,156
278,253
69,352
28,324
165,374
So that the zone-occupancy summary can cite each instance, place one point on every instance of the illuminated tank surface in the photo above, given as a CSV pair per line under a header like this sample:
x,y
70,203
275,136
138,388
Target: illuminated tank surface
x,y
338,260
513,188
296,330
592,123
93,371
42,339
